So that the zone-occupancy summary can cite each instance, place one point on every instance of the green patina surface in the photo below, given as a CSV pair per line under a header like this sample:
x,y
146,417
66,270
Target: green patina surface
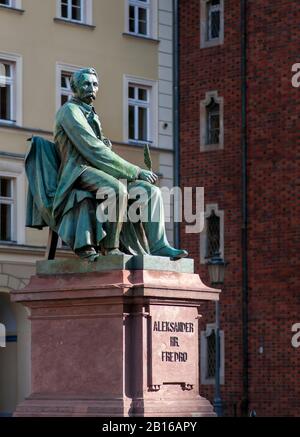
x,y
65,176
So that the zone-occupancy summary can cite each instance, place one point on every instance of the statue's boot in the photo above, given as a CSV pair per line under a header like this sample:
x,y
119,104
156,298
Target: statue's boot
x,y
87,253
114,252
170,252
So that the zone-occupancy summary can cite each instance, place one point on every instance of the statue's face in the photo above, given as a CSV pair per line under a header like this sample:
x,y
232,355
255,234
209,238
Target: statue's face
x,y
87,88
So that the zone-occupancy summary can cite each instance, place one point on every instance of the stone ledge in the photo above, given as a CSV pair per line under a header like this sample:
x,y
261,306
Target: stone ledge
x,y
115,262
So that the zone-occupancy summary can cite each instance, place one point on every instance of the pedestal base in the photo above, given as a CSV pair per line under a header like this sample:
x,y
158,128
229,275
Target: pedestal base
x,y
116,342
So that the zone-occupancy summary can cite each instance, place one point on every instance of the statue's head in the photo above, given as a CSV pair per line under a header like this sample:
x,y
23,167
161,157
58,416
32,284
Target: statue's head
x,y
85,84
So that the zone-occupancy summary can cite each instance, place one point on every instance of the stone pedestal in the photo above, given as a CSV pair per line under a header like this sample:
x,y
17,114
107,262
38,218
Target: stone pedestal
x,y
118,337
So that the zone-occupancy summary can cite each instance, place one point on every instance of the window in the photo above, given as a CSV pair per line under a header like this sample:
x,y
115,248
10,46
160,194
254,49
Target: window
x,y
65,89
212,22
208,355
212,236
76,11
138,113
64,92
139,13
211,122
6,209
72,10
11,4
12,200
7,91
10,88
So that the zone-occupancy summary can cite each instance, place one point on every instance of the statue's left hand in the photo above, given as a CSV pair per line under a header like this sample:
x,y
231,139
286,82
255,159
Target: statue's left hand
x,y
148,176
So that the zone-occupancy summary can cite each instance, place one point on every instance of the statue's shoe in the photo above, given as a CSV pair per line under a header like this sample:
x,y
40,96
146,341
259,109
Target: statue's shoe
x,y
115,252
88,254
171,252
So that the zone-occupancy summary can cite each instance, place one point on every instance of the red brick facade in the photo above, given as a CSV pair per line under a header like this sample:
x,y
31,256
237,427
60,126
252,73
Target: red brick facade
x,y
273,117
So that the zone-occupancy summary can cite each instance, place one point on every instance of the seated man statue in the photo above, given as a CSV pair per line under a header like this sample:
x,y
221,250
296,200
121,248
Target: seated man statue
x,y
87,164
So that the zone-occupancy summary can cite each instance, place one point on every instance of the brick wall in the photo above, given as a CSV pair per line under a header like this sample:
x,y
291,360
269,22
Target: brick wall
x,y
274,172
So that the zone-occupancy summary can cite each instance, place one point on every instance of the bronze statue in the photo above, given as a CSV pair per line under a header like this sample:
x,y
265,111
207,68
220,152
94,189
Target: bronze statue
x,y
64,179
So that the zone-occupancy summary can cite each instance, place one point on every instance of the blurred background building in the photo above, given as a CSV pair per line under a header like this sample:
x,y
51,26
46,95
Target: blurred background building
x,y
239,138
130,43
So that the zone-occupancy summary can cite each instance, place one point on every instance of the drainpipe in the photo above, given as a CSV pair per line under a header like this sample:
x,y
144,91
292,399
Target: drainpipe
x,y
244,144
176,127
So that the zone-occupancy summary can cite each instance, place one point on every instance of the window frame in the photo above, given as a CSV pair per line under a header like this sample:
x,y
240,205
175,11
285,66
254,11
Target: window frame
x,y
152,18
203,235
15,171
13,4
210,10
12,82
152,87
10,4
205,380
209,122
60,68
205,41
67,92
86,12
17,91
138,104
9,201
204,147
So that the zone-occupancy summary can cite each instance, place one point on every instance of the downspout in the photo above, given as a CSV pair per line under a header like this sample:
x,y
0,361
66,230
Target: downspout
x,y
176,126
244,144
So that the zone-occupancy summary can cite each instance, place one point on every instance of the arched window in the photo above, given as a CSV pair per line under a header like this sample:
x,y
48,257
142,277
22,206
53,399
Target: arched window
x,y
213,235
213,122
208,355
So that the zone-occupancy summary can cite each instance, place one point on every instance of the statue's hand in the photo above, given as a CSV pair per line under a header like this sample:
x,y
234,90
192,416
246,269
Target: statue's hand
x,y
148,176
107,142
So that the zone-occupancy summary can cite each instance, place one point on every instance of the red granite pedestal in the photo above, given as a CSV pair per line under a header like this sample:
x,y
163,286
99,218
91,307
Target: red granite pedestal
x,y
114,343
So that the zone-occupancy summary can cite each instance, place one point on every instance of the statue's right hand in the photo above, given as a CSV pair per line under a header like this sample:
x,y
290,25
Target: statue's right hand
x,y
148,176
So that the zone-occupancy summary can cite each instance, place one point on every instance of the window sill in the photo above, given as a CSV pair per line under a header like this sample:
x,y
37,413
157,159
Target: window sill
x,y
73,23
12,9
212,43
140,143
211,147
14,126
145,38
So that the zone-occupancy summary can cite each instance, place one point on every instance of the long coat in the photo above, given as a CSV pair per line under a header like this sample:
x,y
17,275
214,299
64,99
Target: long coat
x,y
52,170
80,141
